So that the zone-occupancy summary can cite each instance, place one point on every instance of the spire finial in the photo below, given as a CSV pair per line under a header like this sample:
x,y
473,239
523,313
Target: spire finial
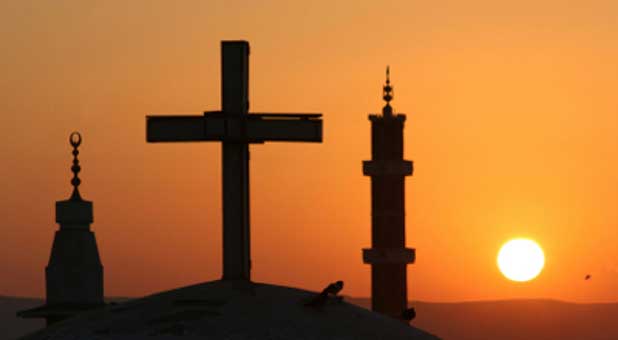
x,y
76,140
387,94
388,74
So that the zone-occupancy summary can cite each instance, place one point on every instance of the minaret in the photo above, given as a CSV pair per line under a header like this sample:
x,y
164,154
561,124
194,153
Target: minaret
x,y
74,274
388,255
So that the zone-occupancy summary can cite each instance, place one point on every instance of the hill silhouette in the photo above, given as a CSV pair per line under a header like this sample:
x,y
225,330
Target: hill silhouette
x,y
515,320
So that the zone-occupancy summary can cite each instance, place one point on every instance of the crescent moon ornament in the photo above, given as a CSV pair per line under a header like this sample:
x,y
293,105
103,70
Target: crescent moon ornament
x,y
75,139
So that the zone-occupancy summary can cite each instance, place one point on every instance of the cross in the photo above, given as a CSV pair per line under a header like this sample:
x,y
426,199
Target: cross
x,y
236,129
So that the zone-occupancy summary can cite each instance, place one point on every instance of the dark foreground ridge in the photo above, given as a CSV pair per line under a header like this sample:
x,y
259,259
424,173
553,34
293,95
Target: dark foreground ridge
x,y
481,320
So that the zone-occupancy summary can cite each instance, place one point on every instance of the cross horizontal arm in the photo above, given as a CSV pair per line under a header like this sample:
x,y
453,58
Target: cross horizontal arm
x,y
174,129
251,128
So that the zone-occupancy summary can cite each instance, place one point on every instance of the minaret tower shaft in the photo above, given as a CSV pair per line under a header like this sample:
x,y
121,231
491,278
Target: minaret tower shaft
x,y
388,255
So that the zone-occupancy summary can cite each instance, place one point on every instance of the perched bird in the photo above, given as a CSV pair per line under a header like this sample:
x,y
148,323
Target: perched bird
x,y
333,288
330,291
408,314
588,276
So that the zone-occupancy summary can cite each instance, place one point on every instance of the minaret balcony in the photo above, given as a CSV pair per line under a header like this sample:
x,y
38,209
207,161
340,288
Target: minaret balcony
x,y
389,255
388,168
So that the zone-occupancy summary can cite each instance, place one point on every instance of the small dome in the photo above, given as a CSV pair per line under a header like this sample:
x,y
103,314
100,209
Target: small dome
x,y
231,310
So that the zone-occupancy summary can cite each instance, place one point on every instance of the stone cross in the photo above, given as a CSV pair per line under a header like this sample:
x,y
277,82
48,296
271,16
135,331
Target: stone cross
x,y
236,129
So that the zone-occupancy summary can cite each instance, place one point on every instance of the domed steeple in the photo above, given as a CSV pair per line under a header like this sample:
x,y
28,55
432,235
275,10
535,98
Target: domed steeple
x,y
74,274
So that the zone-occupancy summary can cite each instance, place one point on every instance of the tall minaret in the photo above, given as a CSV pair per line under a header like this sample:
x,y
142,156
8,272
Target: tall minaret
x,y
388,254
74,275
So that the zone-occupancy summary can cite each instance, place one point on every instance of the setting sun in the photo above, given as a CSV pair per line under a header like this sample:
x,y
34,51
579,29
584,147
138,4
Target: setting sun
x,y
521,260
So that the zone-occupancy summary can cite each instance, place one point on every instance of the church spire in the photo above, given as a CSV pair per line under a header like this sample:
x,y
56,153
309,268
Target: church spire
x,y
76,140
387,94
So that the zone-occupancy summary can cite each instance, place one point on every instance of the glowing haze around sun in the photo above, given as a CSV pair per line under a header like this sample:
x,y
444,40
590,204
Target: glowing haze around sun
x,y
521,259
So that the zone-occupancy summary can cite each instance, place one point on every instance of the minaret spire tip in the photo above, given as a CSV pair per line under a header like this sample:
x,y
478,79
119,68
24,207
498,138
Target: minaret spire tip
x,y
387,94
75,139
388,74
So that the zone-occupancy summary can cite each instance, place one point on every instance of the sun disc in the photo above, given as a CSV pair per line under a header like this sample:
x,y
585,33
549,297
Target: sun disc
x,y
521,259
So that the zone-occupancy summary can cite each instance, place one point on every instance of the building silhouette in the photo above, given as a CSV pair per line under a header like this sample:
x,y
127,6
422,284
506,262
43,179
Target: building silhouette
x,y
388,255
234,307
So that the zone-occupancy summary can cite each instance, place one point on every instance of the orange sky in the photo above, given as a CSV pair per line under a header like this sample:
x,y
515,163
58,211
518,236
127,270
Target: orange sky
x,y
512,123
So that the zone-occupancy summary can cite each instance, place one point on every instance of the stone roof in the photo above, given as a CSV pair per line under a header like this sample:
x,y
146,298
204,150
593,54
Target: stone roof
x,y
231,310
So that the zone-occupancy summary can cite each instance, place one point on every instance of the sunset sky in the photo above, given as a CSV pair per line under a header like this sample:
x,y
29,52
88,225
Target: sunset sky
x,y
512,123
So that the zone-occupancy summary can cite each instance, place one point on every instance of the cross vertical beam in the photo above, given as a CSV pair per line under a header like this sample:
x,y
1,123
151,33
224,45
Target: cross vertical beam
x,y
235,160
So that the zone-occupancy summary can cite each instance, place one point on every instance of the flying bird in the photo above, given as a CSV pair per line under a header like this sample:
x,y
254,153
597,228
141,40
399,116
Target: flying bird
x,y
588,276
